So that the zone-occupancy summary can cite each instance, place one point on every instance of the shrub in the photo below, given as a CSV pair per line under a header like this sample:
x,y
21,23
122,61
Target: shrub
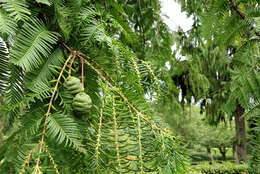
x,y
225,168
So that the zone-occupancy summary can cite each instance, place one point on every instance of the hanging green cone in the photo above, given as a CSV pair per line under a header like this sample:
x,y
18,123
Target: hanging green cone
x,y
73,85
82,102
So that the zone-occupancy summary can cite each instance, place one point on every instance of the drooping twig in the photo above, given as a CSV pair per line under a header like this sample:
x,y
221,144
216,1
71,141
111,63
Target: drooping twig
x,y
70,67
27,161
121,95
80,55
51,159
37,168
141,25
82,72
98,65
66,46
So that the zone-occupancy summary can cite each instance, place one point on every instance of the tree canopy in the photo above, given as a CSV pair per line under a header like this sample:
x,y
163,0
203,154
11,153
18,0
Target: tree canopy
x,y
221,69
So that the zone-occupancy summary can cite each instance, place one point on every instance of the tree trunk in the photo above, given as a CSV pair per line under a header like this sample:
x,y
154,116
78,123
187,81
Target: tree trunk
x,y
223,152
233,150
240,141
210,155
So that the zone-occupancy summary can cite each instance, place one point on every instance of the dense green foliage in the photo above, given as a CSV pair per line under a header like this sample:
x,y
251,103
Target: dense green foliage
x,y
83,85
225,168
221,67
112,47
199,136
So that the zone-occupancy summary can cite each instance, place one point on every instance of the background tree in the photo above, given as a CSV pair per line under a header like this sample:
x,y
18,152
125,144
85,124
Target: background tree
x,y
220,137
223,48
199,136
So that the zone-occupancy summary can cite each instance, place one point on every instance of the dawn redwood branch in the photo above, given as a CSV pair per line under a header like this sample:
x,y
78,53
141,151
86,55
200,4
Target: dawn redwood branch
x,y
122,96
37,167
81,56
242,15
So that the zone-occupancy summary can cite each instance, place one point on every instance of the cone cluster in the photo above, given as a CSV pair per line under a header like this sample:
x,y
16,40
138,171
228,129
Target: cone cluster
x,y
81,101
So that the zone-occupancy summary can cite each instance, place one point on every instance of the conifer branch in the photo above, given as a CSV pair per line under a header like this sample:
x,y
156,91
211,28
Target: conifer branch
x,y
26,162
121,95
116,134
98,65
137,72
98,144
156,80
73,54
140,143
51,159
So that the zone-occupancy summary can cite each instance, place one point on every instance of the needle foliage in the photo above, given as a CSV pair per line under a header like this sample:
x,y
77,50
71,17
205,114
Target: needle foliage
x,y
119,41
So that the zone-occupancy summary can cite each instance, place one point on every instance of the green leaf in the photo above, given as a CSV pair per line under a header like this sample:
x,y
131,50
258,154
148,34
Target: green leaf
x,y
14,94
4,59
7,23
46,2
18,9
32,45
31,121
43,74
64,129
64,16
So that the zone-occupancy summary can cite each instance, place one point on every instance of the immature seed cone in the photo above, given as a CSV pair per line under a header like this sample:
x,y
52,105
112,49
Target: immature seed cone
x,y
82,102
73,85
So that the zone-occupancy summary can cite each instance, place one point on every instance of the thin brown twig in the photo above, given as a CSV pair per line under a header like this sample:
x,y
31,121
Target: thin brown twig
x,y
70,67
98,65
120,94
80,54
82,72
48,112
68,48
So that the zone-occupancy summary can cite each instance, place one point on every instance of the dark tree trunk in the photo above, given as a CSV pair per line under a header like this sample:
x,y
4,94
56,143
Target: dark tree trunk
x,y
234,150
210,155
223,152
240,141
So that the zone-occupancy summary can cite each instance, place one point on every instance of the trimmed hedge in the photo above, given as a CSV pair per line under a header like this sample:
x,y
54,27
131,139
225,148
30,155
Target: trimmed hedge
x,y
226,168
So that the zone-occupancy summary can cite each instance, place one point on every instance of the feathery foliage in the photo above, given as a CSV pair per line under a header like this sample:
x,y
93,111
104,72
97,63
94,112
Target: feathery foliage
x,y
28,51
223,45
16,9
3,66
106,45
